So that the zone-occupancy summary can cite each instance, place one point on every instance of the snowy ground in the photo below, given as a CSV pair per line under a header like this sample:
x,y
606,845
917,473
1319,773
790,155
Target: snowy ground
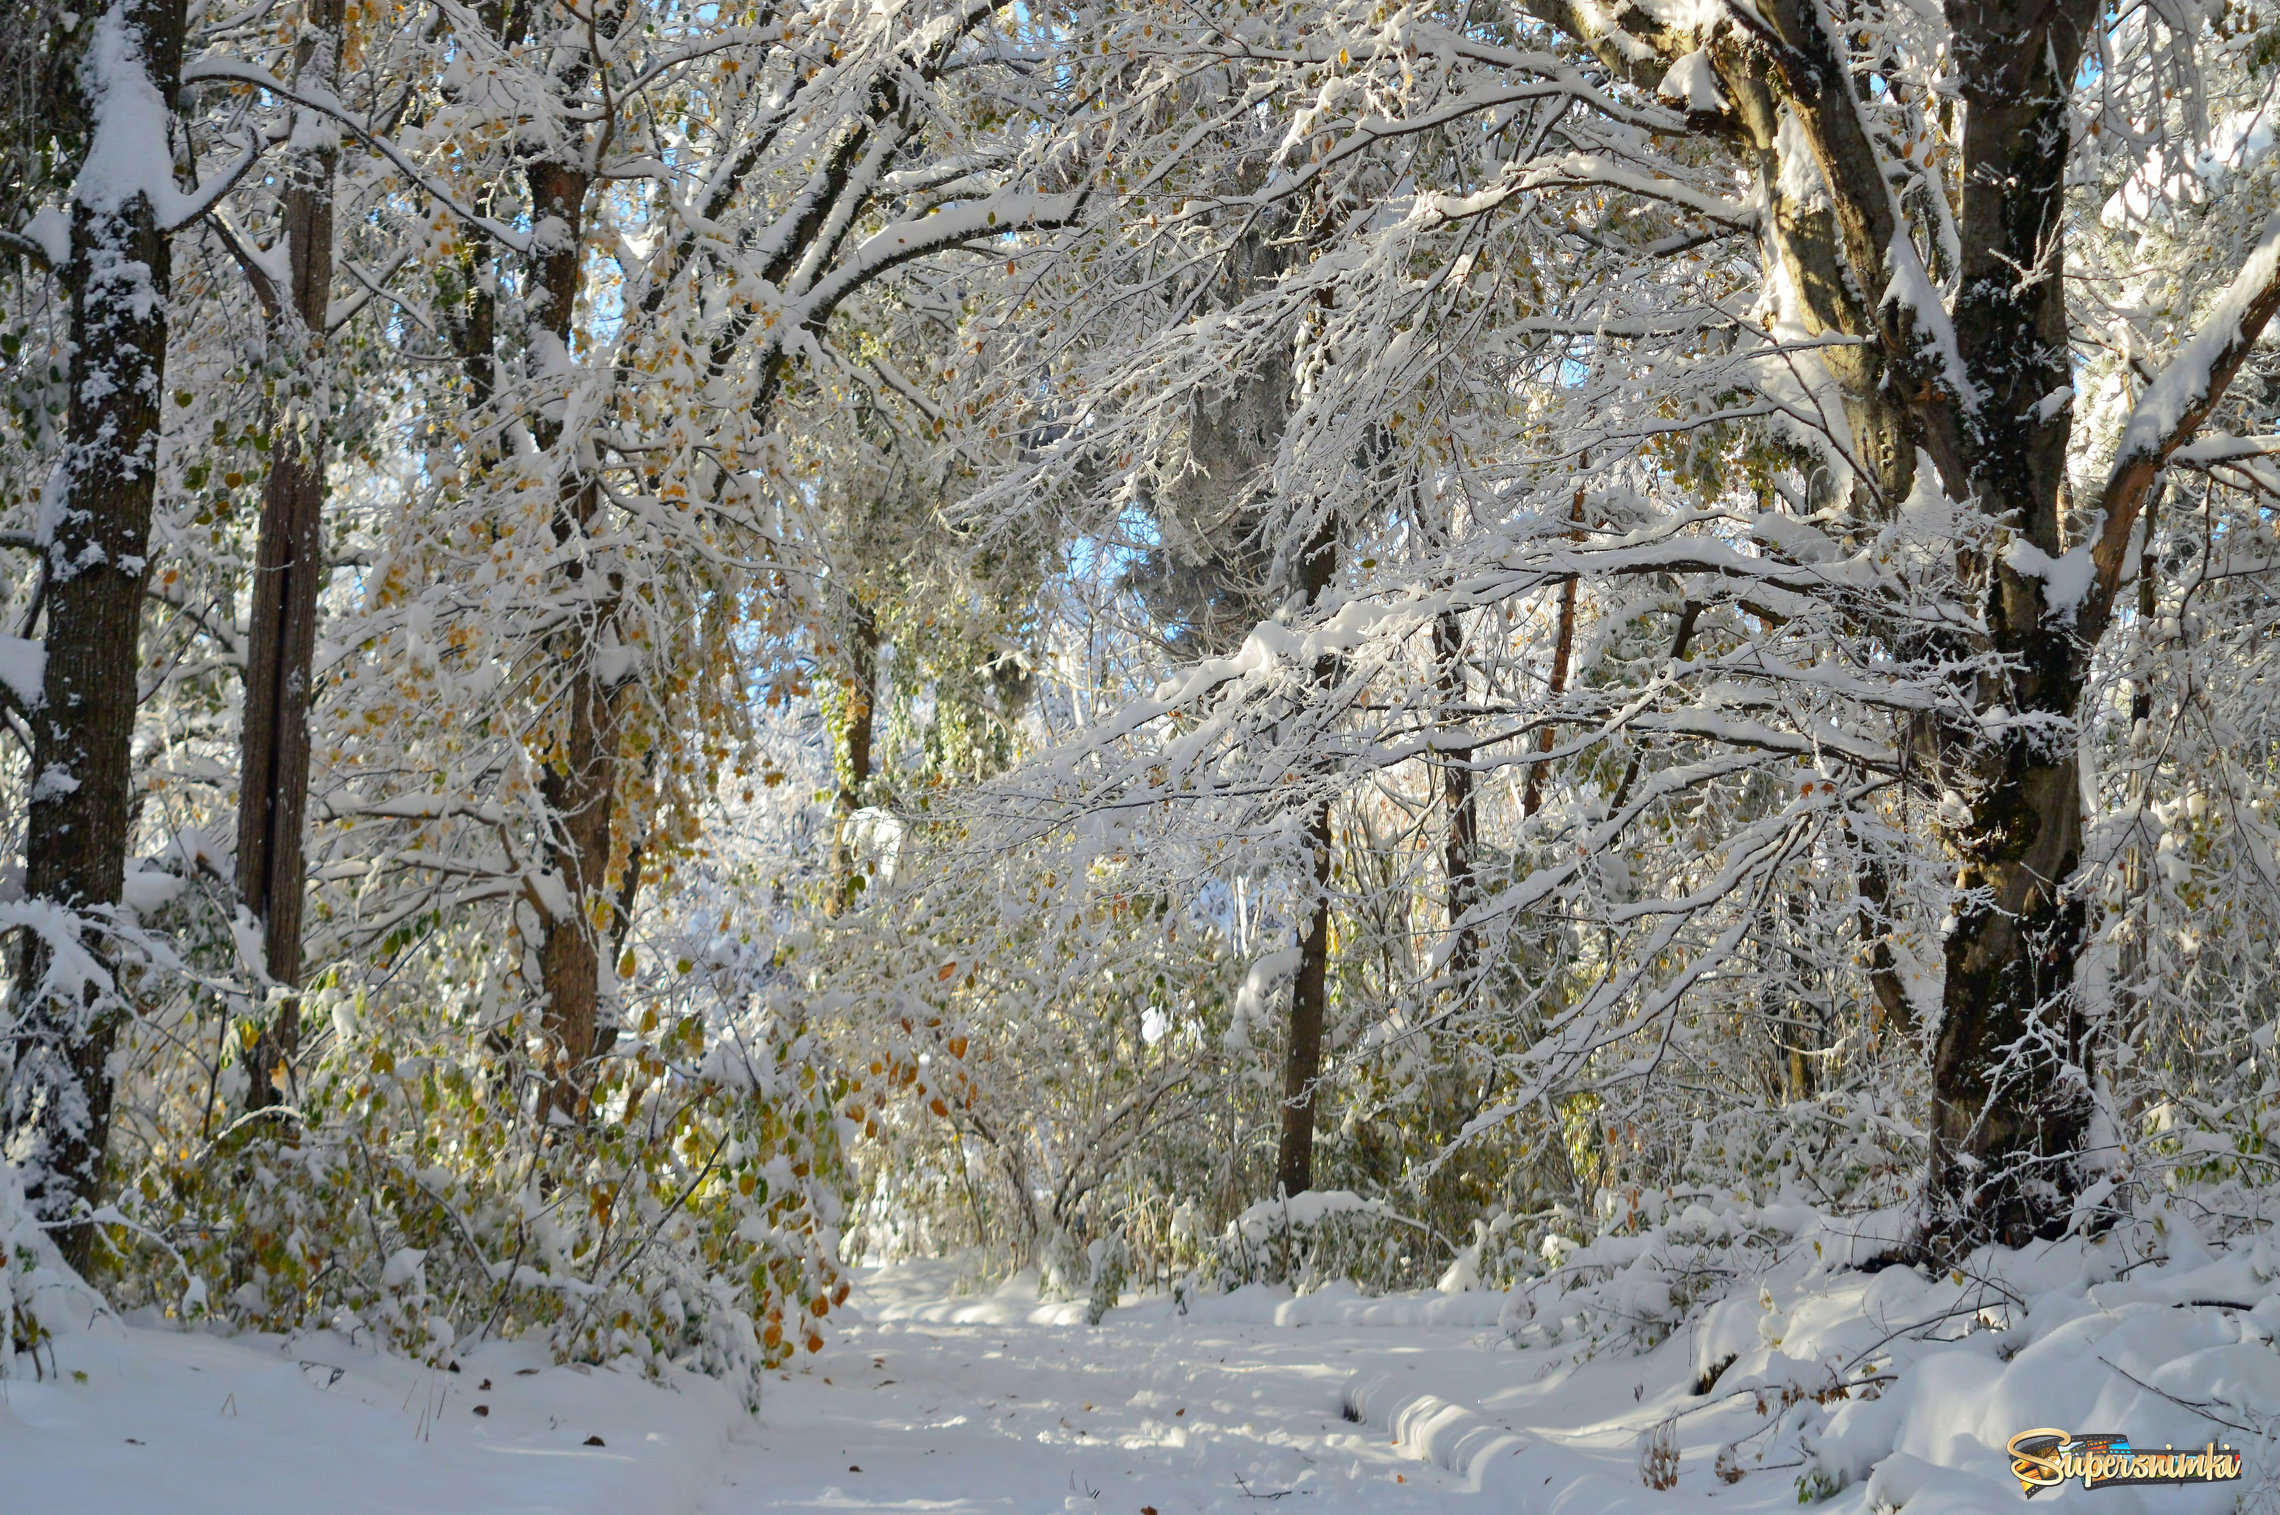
x,y
931,1402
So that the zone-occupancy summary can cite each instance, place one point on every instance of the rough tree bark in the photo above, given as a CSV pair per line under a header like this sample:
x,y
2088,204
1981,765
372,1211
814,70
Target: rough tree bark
x,y
94,564
580,791
2010,1070
273,748
2010,1088
2011,1101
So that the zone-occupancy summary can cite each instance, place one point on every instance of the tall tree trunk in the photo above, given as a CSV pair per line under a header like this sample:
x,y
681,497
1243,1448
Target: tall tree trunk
x,y
2010,1071
2142,747
273,750
1310,988
1992,412
580,785
2010,1099
1460,843
855,755
1309,1004
95,565
580,792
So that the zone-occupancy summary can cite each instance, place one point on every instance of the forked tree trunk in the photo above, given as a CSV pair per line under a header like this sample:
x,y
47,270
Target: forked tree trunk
x,y
273,748
2010,1098
95,564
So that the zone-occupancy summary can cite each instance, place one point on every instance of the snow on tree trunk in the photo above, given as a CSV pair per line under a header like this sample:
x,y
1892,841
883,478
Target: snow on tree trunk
x,y
95,540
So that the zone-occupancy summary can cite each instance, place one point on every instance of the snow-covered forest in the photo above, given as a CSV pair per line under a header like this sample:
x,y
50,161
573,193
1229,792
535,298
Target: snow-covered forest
x,y
1600,676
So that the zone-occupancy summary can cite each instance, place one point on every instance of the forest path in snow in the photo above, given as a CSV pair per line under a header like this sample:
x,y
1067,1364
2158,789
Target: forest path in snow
x,y
999,1404
926,1401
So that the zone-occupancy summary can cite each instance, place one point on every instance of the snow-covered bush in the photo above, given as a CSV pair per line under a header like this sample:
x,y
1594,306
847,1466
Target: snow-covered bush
x,y
23,1246
1636,1281
1039,1057
691,1219
1311,1239
41,1299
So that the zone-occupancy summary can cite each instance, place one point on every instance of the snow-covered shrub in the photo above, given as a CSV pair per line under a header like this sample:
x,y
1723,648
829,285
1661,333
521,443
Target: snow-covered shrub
x,y
1312,1239
1111,1263
23,1252
1039,1061
1631,1285
690,1220
40,1297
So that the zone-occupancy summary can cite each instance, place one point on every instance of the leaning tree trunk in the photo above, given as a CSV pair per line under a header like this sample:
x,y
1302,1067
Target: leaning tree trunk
x,y
273,745
94,569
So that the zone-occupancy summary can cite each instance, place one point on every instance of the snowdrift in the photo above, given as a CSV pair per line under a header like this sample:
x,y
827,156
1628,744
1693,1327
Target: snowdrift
x,y
1797,1377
